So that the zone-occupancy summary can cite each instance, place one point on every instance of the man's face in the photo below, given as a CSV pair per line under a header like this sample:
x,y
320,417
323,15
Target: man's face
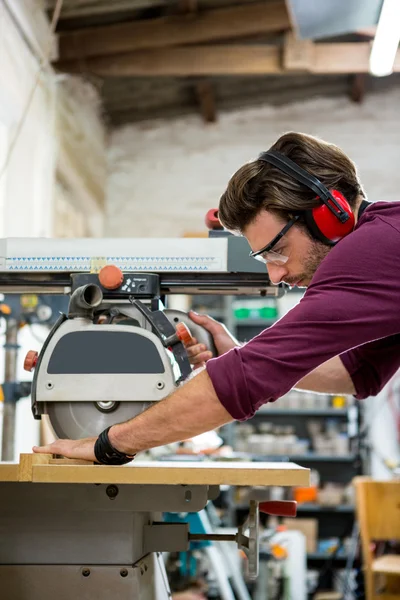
x,y
304,254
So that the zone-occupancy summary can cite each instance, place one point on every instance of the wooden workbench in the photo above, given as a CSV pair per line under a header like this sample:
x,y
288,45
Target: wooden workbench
x,y
43,468
68,538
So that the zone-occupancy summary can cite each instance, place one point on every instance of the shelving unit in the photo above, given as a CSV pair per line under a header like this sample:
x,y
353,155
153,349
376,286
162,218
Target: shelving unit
x,y
303,412
309,457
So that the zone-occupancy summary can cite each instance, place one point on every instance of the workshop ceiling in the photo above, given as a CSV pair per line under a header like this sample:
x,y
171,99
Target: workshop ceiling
x,y
162,58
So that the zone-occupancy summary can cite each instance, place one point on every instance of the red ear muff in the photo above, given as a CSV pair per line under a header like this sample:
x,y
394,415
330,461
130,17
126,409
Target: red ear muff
x,y
324,224
333,219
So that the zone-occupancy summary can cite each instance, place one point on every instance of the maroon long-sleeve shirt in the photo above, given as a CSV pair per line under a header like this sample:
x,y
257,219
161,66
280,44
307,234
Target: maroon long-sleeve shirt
x,y
351,309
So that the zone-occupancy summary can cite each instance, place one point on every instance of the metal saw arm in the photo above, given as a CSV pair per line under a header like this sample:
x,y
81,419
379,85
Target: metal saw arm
x,y
218,265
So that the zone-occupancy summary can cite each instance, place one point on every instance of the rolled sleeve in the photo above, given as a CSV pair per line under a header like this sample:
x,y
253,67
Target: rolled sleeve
x,y
234,398
372,365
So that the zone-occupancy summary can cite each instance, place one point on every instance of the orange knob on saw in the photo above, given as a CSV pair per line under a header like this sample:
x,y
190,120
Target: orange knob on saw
x,y
111,277
31,359
183,333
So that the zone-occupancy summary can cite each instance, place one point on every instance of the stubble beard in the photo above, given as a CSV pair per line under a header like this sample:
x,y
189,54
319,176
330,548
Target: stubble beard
x,y
315,255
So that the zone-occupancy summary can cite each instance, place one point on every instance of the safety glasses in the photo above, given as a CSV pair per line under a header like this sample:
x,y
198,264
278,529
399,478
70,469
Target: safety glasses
x,y
267,254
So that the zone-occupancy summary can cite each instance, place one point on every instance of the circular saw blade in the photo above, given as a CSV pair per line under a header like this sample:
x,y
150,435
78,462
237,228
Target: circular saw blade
x,y
76,420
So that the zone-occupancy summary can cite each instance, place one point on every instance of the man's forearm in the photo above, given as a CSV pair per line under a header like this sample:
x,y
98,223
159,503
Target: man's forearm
x,y
192,409
329,378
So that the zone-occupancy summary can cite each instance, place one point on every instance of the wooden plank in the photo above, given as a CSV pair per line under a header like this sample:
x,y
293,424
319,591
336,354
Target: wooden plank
x,y
298,55
66,461
342,58
76,9
26,464
345,58
235,59
184,61
218,24
9,472
173,473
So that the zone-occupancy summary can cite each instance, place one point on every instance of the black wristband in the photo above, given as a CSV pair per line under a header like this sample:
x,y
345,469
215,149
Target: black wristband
x,y
105,452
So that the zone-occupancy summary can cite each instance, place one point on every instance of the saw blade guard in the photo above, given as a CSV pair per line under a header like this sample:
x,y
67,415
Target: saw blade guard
x,y
95,371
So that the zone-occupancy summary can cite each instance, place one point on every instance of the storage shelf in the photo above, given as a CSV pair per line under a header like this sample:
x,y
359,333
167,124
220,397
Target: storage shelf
x,y
316,556
310,457
300,412
302,508
342,508
325,556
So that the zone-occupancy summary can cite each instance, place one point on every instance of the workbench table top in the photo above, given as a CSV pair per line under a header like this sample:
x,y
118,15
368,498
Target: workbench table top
x,y
43,468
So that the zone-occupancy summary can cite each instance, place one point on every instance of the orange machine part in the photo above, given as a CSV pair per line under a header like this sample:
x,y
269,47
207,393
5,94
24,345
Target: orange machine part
x,y
31,359
183,333
111,277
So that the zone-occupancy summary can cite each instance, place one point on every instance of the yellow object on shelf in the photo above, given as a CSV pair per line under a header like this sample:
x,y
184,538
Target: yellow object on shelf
x,y
339,402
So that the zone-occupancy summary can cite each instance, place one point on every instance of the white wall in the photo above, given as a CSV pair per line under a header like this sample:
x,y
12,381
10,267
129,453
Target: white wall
x,y
164,176
54,182
26,185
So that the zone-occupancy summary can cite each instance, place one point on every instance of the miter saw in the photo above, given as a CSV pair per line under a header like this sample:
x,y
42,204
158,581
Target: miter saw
x,y
118,348
115,350
107,360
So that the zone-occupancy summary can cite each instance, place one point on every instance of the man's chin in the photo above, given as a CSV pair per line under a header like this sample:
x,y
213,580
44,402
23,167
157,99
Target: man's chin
x,y
299,283
303,283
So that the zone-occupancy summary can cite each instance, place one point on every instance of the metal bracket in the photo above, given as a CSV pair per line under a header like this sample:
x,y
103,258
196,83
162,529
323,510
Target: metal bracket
x,y
250,543
166,537
164,329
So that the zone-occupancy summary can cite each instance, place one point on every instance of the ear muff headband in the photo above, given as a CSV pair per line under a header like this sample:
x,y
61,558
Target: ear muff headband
x,y
328,222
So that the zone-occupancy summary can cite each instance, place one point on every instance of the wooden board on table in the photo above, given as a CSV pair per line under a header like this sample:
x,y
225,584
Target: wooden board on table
x,y
42,468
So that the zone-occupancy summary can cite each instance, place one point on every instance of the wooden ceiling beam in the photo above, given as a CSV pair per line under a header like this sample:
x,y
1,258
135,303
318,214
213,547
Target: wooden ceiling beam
x,y
184,61
235,59
206,99
341,58
357,88
77,9
217,24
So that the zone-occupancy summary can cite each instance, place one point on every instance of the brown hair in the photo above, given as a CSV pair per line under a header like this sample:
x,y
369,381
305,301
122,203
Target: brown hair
x,y
260,186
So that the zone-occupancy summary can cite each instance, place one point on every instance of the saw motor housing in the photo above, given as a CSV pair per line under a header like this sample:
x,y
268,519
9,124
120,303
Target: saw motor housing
x,y
108,360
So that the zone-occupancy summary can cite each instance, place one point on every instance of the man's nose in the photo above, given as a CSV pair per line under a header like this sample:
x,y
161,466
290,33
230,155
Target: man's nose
x,y
276,273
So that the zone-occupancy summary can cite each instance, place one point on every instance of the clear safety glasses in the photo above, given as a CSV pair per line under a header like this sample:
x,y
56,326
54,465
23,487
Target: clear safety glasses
x,y
269,256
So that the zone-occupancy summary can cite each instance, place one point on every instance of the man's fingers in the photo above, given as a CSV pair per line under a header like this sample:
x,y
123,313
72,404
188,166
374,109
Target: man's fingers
x,y
195,349
63,447
201,358
192,343
205,321
82,449
198,353
49,449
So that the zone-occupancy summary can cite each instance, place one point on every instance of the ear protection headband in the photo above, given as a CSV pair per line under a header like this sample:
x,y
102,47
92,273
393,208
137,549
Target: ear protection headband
x,y
333,219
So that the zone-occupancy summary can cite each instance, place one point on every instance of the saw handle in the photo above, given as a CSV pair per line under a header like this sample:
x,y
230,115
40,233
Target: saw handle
x,y
202,335
280,508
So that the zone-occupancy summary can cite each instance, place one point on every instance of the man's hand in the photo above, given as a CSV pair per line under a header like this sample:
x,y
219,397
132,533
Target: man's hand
x,y
82,449
223,340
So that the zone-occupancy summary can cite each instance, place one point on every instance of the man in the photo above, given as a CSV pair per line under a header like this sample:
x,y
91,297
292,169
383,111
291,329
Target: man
x,y
301,207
